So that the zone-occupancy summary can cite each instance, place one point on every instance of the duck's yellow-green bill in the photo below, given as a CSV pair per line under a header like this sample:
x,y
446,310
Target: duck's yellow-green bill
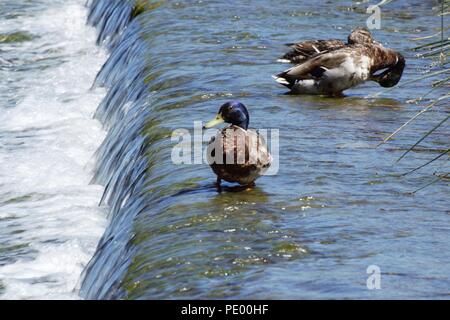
x,y
217,120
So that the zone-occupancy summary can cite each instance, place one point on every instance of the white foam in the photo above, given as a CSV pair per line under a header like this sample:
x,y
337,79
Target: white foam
x,y
48,142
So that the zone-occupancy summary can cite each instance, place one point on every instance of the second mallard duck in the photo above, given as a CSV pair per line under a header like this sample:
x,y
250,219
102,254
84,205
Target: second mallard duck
x,y
302,51
332,72
237,153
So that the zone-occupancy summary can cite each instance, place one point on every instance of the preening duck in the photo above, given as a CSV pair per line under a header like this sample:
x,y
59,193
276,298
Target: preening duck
x,y
237,153
302,51
330,73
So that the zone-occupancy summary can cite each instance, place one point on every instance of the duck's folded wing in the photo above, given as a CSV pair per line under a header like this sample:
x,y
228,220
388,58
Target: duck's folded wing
x,y
264,157
313,68
257,152
302,51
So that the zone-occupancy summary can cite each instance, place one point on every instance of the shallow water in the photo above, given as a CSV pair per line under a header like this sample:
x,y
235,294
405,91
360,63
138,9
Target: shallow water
x,y
337,204
50,221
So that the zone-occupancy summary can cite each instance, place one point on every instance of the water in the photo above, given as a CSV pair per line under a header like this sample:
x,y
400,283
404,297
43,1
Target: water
x,y
50,221
337,204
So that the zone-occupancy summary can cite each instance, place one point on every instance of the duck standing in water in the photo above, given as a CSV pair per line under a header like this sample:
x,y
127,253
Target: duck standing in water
x,y
332,72
302,51
237,153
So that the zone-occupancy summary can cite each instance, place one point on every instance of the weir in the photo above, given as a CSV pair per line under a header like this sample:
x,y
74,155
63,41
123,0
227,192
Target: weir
x,y
121,163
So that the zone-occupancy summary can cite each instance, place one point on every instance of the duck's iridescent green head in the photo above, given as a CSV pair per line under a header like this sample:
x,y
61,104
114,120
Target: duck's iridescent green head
x,y
232,112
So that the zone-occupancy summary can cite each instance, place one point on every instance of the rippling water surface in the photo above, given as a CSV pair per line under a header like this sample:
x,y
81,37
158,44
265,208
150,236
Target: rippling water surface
x,y
336,206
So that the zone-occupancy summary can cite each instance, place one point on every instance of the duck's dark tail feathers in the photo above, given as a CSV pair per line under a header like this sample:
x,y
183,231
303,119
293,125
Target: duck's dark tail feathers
x,y
280,78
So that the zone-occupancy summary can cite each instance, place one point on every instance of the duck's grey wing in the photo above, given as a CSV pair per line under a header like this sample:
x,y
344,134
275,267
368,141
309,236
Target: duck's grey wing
x,y
313,68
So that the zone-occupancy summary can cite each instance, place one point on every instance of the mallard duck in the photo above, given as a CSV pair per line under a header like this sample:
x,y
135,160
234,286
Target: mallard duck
x,y
245,156
330,73
302,51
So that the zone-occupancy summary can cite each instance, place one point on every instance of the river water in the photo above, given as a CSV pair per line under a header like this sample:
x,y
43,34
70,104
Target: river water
x,y
336,206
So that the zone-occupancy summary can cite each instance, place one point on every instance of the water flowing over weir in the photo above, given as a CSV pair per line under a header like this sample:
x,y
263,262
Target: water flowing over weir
x,y
172,236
